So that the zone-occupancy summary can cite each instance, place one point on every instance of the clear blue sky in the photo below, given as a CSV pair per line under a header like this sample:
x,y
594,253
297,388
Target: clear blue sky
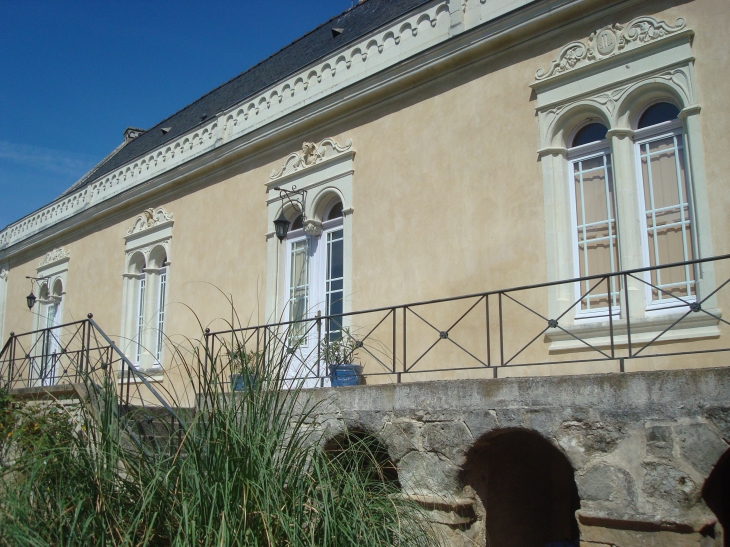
x,y
75,73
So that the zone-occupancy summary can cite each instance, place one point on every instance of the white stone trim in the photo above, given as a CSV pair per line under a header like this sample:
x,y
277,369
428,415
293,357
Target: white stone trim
x,y
151,230
331,176
426,26
608,42
615,89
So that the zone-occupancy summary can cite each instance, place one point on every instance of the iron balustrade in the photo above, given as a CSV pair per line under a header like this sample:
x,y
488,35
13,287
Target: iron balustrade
x,y
404,340
81,354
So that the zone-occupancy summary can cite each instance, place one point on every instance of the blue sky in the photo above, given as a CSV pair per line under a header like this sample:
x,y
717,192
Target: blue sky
x,y
74,74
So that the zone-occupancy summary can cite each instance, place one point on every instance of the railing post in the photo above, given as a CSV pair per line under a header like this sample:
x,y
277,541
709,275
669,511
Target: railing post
x,y
203,375
393,317
319,348
501,333
489,344
405,339
628,314
610,314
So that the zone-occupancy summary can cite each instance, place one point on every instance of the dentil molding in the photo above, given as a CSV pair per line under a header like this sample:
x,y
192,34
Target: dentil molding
x,y
56,255
608,42
149,219
311,154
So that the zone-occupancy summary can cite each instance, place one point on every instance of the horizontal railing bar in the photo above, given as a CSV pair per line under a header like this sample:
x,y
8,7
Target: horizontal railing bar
x,y
478,295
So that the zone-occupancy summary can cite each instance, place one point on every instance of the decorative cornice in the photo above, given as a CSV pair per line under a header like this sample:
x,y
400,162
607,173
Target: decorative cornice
x,y
608,42
56,255
311,154
148,219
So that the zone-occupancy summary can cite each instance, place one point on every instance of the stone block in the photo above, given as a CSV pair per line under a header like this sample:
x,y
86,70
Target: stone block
x,y
720,417
401,437
424,473
583,441
669,487
450,439
607,483
481,422
700,446
660,441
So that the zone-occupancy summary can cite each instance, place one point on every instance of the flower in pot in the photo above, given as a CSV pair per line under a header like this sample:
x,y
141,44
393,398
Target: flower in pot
x,y
339,354
245,367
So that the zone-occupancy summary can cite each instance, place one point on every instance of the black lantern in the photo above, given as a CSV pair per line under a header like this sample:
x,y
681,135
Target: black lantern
x,y
282,226
31,300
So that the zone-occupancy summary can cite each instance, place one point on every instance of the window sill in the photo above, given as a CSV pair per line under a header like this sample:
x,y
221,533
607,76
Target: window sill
x,y
695,326
154,374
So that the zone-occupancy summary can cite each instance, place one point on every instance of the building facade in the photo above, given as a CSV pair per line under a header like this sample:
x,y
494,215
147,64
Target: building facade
x,y
420,151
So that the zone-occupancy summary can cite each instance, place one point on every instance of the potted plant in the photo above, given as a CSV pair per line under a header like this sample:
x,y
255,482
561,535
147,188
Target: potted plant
x,y
339,355
245,365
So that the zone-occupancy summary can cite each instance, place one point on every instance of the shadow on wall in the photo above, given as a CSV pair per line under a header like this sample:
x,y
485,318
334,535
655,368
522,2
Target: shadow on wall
x,y
528,489
716,493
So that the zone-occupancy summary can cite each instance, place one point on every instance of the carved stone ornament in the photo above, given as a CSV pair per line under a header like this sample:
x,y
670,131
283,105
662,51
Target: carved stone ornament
x,y
313,227
609,41
148,219
4,274
311,154
55,255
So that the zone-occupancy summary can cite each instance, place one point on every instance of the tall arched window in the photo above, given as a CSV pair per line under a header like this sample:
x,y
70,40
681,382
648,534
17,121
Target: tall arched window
x,y
137,276
595,237
665,202
315,279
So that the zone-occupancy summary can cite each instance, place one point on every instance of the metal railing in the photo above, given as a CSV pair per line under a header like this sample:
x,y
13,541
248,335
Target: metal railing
x,y
552,323
82,354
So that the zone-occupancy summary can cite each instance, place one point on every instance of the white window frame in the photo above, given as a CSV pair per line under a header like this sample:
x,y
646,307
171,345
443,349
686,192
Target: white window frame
x,y
644,136
583,153
151,237
616,87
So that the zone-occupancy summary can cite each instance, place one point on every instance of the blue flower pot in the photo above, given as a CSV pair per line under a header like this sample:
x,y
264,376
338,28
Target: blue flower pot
x,y
243,382
345,375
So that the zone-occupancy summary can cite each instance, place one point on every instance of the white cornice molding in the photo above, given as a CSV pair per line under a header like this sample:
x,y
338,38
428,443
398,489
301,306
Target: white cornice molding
x,y
149,219
608,42
56,255
311,154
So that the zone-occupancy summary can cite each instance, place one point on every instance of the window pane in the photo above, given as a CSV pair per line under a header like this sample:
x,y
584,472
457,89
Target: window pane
x,y
161,316
299,285
596,228
140,319
334,283
668,222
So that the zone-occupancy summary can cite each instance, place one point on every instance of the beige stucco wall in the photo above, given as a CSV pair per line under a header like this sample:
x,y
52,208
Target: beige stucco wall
x,y
448,199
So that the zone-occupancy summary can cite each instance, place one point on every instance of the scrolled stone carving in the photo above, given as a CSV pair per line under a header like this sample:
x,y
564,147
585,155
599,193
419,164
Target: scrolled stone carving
x,y
4,274
149,218
311,154
609,41
55,255
313,227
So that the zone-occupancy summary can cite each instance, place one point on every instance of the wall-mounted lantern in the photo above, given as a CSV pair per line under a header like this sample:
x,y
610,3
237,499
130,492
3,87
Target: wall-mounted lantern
x,y
31,298
281,224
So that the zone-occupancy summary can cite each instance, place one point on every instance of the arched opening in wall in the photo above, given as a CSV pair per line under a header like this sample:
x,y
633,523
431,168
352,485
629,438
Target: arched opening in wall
x,y
527,487
716,493
357,451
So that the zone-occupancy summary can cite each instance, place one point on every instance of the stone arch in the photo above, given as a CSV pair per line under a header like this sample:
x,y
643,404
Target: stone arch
x,y
158,257
137,263
527,487
322,201
636,101
716,494
570,122
357,447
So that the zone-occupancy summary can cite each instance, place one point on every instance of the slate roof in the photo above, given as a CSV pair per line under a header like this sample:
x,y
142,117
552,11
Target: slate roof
x,y
356,22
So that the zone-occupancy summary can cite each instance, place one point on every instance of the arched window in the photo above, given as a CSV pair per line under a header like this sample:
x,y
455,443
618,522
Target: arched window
x,y
315,278
665,202
158,258
137,275
595,237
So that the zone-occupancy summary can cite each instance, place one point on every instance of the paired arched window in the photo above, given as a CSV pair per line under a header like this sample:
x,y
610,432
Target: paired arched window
x,y
663,202
146,306
315,279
